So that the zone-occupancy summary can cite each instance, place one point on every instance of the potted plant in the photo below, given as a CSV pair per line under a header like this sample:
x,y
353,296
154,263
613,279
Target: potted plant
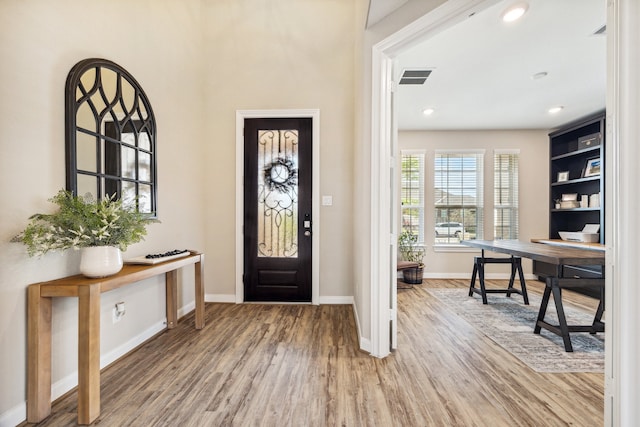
x,y
101,228
410,250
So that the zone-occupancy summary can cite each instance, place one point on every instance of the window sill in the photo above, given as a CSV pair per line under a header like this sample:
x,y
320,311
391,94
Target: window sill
x,y
453,247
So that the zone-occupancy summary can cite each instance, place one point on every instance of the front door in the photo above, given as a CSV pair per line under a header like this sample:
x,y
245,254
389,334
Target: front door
x,y
277,209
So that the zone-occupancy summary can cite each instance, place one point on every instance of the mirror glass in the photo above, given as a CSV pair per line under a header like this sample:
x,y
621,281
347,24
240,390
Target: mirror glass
x,y
110,135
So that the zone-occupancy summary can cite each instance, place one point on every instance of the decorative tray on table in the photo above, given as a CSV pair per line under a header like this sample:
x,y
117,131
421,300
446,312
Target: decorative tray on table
x,y
158,258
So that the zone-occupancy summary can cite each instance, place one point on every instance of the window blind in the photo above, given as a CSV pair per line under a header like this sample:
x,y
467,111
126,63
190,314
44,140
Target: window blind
x,y
505,217
458,195
412,192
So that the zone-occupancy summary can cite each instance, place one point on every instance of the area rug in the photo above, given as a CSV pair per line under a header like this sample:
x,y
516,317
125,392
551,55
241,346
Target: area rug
x,y
509,323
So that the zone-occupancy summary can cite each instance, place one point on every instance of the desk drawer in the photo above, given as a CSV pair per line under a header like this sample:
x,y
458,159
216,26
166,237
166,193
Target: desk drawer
x,y
542,270
591,271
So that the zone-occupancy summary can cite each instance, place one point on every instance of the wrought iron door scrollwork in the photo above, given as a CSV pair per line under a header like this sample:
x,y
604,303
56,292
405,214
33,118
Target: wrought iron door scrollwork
x,y
278,193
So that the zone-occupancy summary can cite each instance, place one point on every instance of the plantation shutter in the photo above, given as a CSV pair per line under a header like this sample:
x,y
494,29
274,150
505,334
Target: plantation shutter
x,y
505,218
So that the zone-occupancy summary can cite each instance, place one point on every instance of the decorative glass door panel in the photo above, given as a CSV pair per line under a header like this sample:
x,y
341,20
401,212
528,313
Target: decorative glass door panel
x,y
277,209
278,193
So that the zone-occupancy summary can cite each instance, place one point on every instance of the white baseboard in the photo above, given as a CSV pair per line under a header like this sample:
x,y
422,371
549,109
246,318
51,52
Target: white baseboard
x,y
67,383
226,298
467,276
231,298
18,414
186,309
338,300
364,343
14,416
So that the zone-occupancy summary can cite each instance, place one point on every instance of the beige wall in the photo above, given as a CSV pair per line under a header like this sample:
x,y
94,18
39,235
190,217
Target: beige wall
x,y
39,43
363,175
280,55
198,62
533,189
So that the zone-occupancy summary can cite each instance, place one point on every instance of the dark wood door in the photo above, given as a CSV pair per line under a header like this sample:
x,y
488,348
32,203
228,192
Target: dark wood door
x,y
277,209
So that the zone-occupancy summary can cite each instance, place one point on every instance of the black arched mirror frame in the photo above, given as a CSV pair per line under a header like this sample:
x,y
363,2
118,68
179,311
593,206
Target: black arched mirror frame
x,y
110,135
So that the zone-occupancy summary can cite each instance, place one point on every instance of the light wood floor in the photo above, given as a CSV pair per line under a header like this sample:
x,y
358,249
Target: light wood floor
x,y
299,365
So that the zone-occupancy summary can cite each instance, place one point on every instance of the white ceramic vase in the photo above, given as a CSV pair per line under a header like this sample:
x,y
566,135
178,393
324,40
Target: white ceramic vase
x,y
100,261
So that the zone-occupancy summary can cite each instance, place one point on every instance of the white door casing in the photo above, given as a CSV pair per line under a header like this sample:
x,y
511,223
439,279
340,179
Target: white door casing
x,y
241,115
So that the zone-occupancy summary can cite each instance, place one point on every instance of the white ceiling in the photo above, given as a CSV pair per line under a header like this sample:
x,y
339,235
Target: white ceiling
x,y
483,68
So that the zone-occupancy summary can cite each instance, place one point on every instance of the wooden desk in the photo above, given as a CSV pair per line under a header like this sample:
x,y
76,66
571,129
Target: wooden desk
x,y
88,293
559,256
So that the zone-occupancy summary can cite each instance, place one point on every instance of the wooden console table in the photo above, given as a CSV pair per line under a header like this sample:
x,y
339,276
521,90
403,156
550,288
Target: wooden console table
x,y
88,293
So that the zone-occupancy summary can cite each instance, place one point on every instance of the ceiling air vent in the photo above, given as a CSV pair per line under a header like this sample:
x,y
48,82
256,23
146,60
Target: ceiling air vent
x,y
414,77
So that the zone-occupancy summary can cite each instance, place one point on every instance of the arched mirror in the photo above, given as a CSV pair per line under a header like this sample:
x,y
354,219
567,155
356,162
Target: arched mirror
x,y
110,135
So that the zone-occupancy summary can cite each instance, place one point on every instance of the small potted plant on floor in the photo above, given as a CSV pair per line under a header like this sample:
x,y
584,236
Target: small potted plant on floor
x,y
101,228
410,250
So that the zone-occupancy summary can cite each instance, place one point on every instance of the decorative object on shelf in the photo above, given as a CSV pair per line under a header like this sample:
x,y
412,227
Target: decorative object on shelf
x,y
410,250
592,168
82,222
563,176
569,201
589,141
584,201
569,204
594,200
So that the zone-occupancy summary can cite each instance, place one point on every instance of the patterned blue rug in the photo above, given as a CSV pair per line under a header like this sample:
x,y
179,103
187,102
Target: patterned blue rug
x,y
509,323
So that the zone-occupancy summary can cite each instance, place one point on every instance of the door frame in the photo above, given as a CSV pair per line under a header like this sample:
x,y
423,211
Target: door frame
x,y
383,154
621,385
241,115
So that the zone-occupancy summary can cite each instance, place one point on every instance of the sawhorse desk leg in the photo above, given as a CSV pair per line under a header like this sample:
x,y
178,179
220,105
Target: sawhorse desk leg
x,y
554,286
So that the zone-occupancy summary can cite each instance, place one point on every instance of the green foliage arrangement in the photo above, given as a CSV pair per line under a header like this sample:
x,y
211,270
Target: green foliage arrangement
x,y
82,222
409,248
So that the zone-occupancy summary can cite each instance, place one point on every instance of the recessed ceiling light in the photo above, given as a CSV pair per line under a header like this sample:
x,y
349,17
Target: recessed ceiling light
x,y
514,12
555,110
428,111
539,75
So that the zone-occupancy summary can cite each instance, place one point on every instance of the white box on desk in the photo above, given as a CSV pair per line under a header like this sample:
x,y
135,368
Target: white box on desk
x,y
589,234
578,236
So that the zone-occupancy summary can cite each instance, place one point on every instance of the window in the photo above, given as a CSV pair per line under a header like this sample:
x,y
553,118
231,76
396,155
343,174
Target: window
x,y
412,193
458,195
505,190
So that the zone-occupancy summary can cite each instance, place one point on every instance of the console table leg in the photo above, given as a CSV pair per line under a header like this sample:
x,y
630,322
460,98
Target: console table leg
x,y
199,292
171,280
38,355
88,353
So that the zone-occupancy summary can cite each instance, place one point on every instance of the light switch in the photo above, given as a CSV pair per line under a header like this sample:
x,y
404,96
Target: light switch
x,y
327,200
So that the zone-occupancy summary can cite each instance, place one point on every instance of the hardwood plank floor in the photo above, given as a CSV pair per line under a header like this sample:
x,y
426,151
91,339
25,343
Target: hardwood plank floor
x,y
299,365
